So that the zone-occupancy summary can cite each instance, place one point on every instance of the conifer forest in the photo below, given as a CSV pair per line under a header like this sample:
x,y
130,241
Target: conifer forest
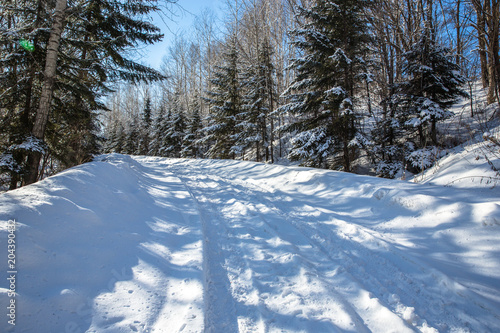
x,y
361,86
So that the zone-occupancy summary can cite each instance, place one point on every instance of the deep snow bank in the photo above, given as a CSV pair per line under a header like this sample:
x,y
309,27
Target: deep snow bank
x,y
90,253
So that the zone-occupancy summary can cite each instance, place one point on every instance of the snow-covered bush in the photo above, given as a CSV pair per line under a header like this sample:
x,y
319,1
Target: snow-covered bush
x,y
389,169
424,158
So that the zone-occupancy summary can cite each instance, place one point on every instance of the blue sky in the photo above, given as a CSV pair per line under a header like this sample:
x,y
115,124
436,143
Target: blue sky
x,y
186,14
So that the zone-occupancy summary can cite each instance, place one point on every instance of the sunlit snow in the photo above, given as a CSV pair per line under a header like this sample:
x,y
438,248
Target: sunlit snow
x,y
146,244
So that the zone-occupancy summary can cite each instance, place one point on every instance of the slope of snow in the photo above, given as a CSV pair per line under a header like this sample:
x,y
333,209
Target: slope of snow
x,y
473,165
143,244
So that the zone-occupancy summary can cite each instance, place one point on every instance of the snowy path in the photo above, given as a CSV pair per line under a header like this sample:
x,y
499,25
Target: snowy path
x,y
271,276
296,265
141,244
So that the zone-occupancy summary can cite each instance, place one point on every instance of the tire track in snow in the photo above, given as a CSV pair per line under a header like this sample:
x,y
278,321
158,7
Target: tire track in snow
x,y
219,309
386,286
314,263
363,252
176,239
223,299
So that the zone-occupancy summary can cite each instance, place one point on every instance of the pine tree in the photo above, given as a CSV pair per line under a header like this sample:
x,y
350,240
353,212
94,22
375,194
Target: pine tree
x,y
332,41
20,25
79,129
132,143
255,119
225,105
164,139
156,142
249,135
112,136
388,146
191,140
433,85
121,139
93,42
174,136
146,127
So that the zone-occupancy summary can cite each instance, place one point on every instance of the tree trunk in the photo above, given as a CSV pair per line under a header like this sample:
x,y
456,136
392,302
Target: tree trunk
x,y
429,21
421,136
458,56
434,131
481,33
492,20
14,178
42,115
271,118
11,111
347,160
25,116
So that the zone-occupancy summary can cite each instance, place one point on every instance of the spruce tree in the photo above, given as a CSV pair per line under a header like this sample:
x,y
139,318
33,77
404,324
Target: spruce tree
x,y
156,142
132,142
388,146
21,58
255,118
145,129
121,139
73,138
94,43
225,105
332,42
165,141
191,140
112,137
176,131
434,84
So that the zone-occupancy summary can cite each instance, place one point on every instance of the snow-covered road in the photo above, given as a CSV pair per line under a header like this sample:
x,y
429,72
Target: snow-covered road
x,y
269,270
165,245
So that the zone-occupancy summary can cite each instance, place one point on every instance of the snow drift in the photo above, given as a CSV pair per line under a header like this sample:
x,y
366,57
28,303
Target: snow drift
x,y
143,244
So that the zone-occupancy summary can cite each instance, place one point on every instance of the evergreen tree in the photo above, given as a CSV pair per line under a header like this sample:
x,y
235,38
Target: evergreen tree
x,y
155,144
92,52
113,132
80,141
164,139
122,139
20,23
225,105
194,127
132,142
249,135
176,131
333,41
388,148
434,84
146,128
255,117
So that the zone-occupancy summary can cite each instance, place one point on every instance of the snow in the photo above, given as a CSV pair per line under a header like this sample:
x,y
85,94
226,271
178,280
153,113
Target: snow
x,y
425,157
7,162
337,91
146,244
31,144
470,166
475,162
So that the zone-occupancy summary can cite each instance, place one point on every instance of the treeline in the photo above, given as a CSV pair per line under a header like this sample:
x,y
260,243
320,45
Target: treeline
x,y
225,79
332,84
326,83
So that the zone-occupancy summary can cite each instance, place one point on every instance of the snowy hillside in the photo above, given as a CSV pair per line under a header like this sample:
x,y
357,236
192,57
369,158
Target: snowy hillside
x,y
476,162
473,165
143,244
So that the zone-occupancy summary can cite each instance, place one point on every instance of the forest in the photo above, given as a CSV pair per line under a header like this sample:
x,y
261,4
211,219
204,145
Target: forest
x,y
353,85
